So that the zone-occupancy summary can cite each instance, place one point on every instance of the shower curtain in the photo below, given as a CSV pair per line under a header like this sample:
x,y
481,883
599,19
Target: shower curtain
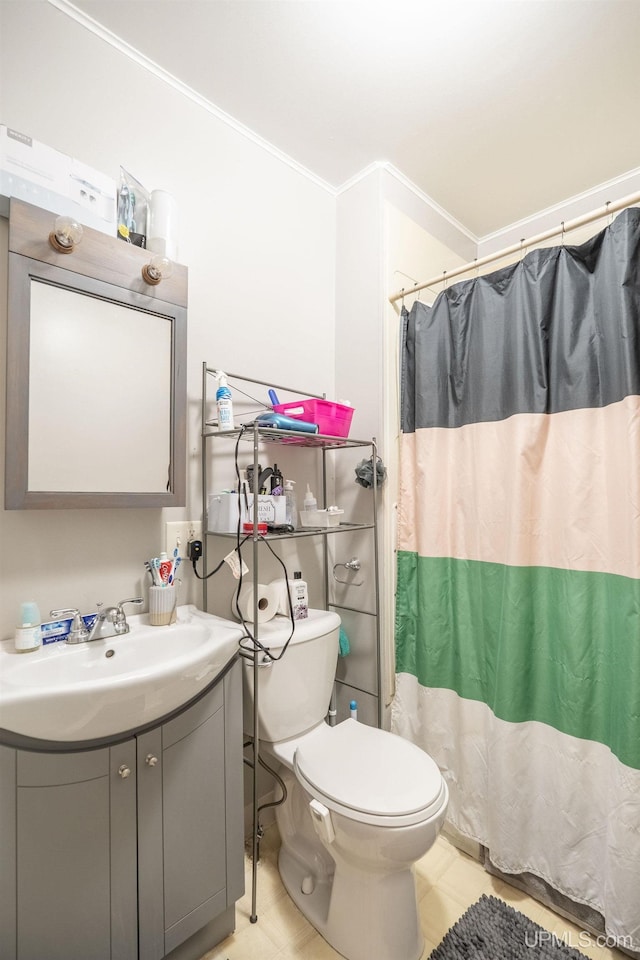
x,y
518,597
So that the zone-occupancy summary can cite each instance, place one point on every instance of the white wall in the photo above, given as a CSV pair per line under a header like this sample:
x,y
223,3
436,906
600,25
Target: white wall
x,y
383,227
257,235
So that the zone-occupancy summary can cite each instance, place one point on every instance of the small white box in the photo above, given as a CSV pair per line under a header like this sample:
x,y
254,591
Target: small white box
x,y
222,514
38,174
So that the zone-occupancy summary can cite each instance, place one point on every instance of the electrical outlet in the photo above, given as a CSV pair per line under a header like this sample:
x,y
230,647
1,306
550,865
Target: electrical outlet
x,y
183,531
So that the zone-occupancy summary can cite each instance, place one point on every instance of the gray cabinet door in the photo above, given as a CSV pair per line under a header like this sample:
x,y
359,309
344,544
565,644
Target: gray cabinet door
x,y
124,852
182,834
75,823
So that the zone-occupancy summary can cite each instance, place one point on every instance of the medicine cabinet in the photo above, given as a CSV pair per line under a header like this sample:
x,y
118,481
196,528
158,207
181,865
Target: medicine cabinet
x,y
96,373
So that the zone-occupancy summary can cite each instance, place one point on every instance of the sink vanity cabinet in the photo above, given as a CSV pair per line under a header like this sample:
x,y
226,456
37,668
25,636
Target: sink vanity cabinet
x,y
132,850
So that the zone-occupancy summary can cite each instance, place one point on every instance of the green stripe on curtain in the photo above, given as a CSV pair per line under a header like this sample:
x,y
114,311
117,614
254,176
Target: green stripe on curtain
x,y
572,635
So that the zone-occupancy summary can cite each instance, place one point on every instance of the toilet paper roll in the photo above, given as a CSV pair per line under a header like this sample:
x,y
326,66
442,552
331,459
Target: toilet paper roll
x,y
162,230
280,587
268,597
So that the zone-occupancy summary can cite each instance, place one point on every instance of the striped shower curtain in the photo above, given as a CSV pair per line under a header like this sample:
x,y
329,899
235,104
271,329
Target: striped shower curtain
x,y
518,598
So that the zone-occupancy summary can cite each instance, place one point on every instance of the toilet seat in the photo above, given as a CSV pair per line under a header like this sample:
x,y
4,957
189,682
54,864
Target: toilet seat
x,y
370,775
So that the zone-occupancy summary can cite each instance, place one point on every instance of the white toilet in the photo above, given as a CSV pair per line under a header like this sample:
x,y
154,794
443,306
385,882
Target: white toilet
x,y
362,804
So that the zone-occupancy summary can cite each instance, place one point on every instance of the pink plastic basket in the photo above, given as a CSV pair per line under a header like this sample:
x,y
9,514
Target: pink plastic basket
x,y
333,419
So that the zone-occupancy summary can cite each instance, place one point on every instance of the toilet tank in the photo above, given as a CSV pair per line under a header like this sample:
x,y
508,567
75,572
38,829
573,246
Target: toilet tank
x,y
294,692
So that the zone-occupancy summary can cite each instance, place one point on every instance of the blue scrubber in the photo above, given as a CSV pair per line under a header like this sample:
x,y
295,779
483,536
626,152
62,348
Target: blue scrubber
x,y
344,647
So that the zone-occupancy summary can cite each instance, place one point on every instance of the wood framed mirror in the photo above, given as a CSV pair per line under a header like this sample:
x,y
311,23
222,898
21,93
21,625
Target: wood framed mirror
x,y
96,373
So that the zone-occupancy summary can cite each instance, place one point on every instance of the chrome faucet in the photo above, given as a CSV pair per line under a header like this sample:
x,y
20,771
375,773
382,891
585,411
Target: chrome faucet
x,y
78,632
111,622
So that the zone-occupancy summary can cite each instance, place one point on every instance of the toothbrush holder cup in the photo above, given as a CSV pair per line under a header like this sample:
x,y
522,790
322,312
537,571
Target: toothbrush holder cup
x,y
162,605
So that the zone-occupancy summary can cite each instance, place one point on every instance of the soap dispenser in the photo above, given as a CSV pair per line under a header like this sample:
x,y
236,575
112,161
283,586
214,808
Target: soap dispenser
x,y
29,633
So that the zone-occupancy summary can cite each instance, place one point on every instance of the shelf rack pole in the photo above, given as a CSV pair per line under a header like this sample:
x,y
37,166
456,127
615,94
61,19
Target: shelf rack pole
x,y
325,548
376,574
256,731
205,482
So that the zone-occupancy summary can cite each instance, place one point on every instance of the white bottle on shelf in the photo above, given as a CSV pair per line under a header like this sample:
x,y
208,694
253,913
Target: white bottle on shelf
x,y
299,596
310,502
224,403
309,516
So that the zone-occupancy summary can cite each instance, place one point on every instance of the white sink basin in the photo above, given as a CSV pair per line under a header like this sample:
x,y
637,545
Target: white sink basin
x,y
68,693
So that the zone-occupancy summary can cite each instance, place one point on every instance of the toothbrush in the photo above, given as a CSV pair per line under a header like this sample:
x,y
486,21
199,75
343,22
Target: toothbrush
x,y
155,566
172,578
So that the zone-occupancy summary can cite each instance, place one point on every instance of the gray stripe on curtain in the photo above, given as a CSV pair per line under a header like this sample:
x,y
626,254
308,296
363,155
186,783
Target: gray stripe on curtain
x,y
578,322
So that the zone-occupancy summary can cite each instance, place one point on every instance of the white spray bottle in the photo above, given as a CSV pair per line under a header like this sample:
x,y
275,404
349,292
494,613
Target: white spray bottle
x,y
224,402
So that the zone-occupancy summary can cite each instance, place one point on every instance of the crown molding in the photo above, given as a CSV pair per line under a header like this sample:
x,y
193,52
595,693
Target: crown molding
x,y
84,20
429,201
393,171
565,210
555,215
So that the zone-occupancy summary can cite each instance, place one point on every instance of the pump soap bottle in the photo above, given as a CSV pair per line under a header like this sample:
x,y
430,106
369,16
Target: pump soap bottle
x,y
29,634
291,508
224,402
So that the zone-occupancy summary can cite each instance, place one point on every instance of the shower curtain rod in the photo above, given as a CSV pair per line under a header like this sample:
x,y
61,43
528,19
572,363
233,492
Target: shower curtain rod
x,y
608,208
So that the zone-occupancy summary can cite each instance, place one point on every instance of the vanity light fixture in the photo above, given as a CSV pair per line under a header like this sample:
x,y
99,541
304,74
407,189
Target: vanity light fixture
x,y
159,268
66,233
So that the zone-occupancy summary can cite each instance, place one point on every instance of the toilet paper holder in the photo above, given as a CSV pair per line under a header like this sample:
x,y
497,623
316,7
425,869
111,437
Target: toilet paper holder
x,y
353,564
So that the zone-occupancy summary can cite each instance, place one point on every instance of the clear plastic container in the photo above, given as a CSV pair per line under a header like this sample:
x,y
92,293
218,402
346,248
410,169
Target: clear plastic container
x,y
320,518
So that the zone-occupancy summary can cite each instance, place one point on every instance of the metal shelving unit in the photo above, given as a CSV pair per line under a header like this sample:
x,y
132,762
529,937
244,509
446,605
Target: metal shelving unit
x,y
257,435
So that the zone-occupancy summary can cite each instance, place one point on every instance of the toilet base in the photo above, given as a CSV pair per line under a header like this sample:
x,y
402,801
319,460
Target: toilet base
x,y
353,880
359,915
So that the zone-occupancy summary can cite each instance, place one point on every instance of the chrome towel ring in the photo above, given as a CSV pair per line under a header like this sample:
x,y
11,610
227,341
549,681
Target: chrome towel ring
x,y
353,564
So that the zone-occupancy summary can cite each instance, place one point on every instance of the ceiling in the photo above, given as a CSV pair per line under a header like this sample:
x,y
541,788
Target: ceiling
x,y
496,110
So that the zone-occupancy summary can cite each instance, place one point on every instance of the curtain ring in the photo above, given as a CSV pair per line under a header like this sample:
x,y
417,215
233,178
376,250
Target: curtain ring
x,y
607,205
562,234
475,260
523,249
444,279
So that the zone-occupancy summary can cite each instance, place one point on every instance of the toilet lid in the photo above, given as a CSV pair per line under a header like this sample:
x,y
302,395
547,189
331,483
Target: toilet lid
x,y
376,776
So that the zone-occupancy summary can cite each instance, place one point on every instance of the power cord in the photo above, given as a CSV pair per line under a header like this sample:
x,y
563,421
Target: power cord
x,y
244,649
194,553
194,547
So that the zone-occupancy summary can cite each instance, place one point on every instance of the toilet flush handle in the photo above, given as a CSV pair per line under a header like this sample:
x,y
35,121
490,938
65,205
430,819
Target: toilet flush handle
x,y
322,822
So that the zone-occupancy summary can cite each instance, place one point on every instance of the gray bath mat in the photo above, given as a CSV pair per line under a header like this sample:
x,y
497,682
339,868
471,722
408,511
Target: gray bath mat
x,y
492,930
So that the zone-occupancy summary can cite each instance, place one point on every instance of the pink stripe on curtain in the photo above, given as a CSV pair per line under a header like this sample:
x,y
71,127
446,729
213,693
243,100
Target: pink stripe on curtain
x,y
558,490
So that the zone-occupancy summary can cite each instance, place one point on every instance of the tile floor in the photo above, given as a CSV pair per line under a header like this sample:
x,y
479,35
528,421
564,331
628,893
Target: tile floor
x,y
448,882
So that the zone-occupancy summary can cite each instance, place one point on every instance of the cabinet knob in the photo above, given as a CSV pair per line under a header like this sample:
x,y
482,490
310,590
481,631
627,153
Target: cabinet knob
x,y
124,771
150,760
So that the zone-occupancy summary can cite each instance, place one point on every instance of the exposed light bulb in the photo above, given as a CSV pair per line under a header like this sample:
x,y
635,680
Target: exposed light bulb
x,y
66,233
159,268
